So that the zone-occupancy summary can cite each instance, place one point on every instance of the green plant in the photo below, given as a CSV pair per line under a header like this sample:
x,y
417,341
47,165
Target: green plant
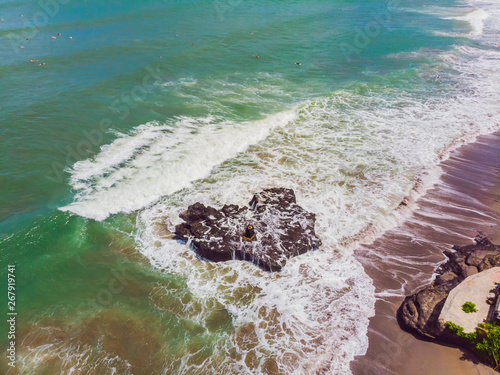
x,y
469,307
485,340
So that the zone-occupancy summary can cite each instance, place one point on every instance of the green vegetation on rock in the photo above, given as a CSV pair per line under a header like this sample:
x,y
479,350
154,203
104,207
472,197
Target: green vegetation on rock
x,y
469,307
485,340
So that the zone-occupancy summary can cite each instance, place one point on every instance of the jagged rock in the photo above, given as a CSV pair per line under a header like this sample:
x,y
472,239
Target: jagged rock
x,y
425,306
420,311
489,261
283,230
476,257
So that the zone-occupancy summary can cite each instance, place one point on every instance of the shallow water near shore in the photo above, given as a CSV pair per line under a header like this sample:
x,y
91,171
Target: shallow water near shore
x,y
152,106
402,260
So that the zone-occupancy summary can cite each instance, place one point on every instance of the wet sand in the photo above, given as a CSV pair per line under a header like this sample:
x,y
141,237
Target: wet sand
x,y
464,200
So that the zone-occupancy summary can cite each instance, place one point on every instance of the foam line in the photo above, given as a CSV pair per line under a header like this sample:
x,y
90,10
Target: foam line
x,y
157,160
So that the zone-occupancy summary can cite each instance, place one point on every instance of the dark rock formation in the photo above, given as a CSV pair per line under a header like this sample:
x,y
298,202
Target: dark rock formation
x,y
283,230
420,312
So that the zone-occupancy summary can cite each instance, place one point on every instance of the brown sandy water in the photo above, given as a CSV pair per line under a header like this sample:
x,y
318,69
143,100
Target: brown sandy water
x,y
402,260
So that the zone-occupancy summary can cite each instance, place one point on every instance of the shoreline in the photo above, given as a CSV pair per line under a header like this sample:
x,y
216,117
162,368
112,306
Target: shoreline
x,y
421,184
465,199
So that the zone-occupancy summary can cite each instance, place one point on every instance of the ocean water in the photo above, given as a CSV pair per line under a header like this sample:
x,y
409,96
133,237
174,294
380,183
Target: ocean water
x,y
118,115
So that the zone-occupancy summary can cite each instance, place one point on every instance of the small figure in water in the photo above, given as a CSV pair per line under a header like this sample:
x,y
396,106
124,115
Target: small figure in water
x,y
249,233
256,56
296,62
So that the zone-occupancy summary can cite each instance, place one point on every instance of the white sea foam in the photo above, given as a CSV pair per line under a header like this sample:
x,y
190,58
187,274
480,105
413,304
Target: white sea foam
x,y
476,19
157,160
475,15
311,310
351,157
371,146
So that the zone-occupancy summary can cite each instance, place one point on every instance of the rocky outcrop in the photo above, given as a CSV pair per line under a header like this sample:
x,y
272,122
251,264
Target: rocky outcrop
x,y
420,312
282,228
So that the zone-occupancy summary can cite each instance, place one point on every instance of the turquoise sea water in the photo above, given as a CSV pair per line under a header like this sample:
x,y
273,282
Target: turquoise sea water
x,y
117,115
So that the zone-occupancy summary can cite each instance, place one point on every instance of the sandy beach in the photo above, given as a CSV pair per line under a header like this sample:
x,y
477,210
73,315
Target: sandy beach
x,y
402,260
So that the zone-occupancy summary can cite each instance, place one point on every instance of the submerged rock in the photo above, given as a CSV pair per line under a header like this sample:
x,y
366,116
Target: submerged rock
x,y
420,312
282,228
